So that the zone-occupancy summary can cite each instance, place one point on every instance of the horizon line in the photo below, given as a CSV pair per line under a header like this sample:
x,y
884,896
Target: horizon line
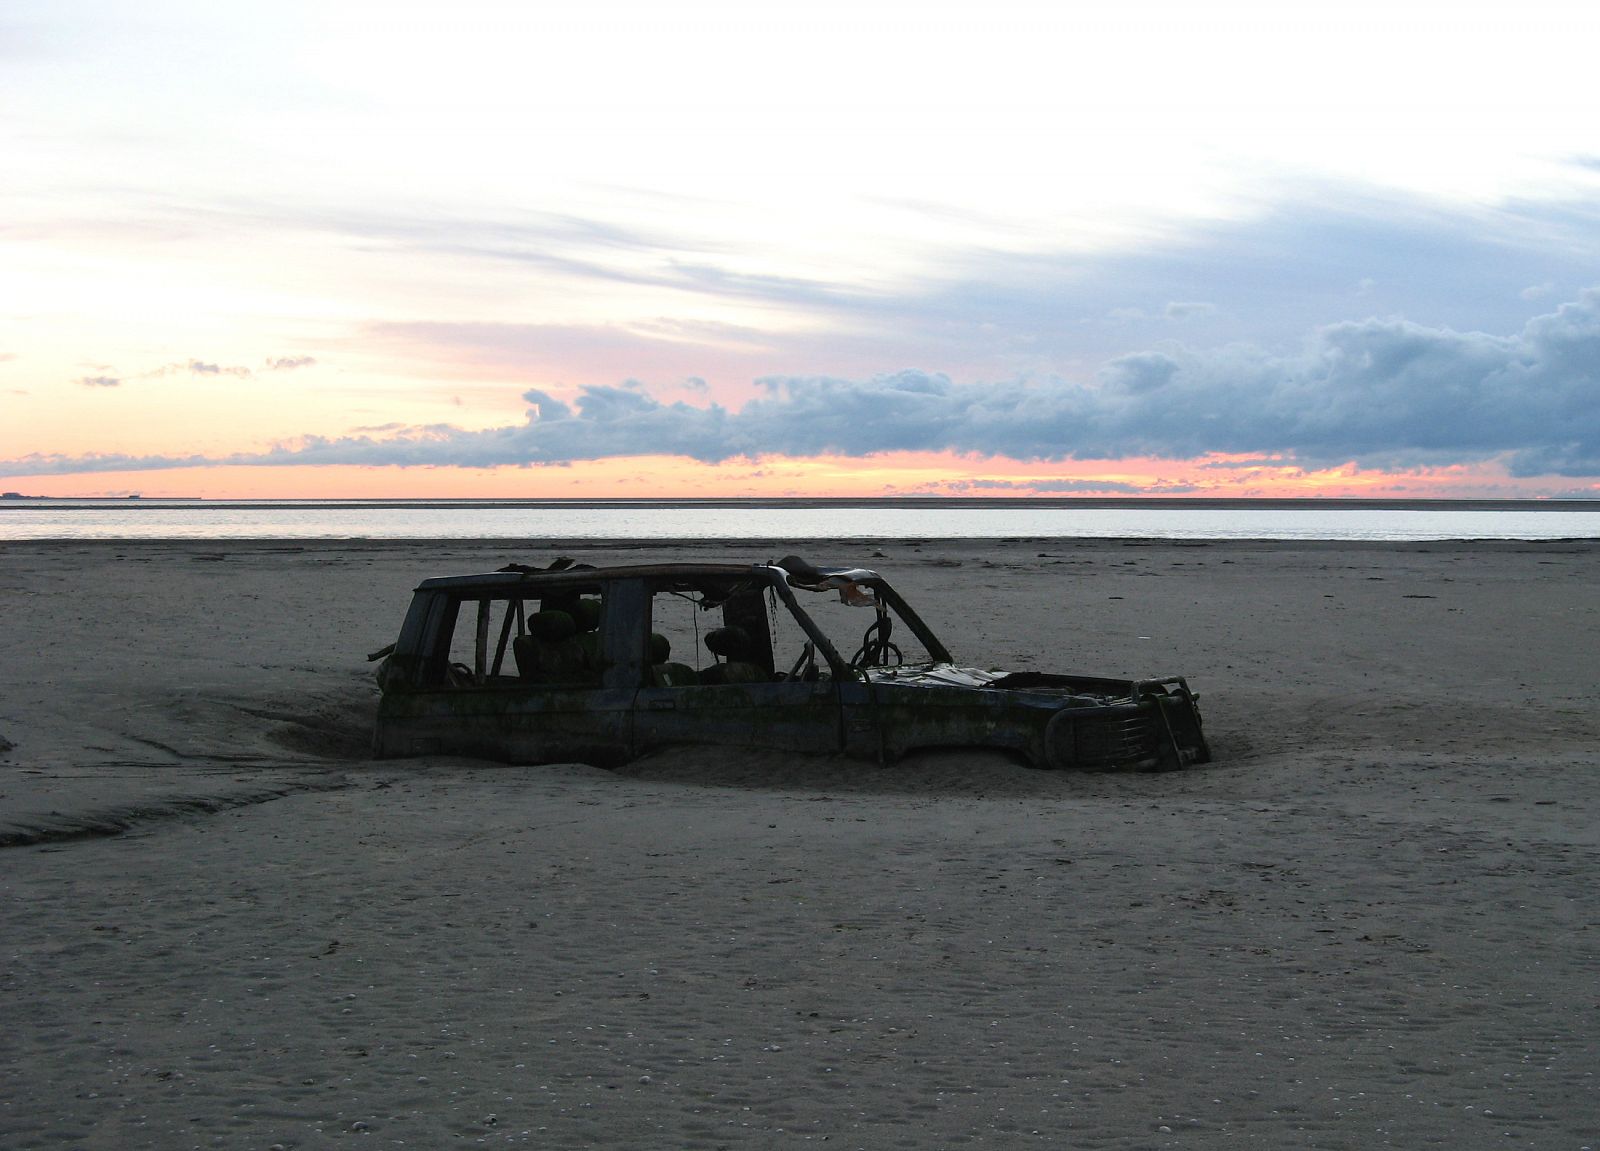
x,y
1456,503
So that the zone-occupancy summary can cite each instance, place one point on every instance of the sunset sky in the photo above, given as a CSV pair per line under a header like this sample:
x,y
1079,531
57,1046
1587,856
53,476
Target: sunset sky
x,y
693,249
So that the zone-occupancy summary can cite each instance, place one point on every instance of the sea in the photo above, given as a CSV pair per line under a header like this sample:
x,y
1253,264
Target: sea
x,y
779,519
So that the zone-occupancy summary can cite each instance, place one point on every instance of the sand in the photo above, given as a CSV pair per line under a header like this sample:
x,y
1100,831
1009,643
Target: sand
x,y
1372,921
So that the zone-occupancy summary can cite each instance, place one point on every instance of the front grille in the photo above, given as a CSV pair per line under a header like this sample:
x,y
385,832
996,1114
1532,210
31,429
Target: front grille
x,y
1125,741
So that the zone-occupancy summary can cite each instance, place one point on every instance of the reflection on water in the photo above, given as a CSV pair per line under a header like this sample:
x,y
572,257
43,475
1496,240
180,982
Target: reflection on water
x,y
153,519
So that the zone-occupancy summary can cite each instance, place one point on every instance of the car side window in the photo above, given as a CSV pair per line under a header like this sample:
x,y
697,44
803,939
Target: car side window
x,y
707,637
676,630
560,642
866,631
525,641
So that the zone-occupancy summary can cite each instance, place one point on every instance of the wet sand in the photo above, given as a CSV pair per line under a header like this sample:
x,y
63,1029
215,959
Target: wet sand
x,y
1371,921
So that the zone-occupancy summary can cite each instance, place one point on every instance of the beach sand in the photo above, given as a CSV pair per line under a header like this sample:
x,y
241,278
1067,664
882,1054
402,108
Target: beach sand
x,y
1372,921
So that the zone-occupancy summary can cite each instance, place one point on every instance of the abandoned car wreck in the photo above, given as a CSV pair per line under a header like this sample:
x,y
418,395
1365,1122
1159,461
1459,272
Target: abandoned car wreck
x,y
599,665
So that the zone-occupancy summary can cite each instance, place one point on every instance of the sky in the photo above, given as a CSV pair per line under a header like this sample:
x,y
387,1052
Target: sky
x,y
729,249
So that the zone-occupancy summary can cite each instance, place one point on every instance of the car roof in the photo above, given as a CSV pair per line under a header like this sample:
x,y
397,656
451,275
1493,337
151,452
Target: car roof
x,y
518,575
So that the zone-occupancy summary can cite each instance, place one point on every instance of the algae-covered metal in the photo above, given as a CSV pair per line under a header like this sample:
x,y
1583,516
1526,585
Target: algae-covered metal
x,y
534,665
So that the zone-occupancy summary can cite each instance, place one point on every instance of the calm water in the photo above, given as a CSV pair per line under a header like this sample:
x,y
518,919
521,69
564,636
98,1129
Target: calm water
x,y
525,520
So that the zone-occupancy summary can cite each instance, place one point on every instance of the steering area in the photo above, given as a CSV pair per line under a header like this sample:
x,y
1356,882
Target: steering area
x,y
877,649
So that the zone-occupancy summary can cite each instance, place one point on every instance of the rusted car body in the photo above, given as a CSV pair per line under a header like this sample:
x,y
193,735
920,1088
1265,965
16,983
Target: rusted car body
x,y
600,665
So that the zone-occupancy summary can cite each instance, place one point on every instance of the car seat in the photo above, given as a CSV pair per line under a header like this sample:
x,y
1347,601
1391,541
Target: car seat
x,y
732,645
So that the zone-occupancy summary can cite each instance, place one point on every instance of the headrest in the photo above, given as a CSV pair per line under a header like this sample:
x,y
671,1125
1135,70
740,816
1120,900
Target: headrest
x,y
660,647
729,642
552,626
586,614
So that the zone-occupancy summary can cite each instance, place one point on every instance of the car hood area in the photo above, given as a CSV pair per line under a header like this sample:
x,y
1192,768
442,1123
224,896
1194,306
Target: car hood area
x,y
945,675
934,675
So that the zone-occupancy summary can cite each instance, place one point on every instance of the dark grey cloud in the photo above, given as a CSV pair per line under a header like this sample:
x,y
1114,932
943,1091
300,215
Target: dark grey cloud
x,y
1380,392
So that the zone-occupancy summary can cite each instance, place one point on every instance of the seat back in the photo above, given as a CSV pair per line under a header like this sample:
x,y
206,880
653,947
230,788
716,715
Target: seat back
x,y
733,646
551,652
663,672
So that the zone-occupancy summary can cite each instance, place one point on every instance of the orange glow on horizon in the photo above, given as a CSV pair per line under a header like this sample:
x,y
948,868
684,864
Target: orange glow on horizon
x,y
892,474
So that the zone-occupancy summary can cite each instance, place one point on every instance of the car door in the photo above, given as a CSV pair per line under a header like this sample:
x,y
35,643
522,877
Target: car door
x,y
675,705
478,704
